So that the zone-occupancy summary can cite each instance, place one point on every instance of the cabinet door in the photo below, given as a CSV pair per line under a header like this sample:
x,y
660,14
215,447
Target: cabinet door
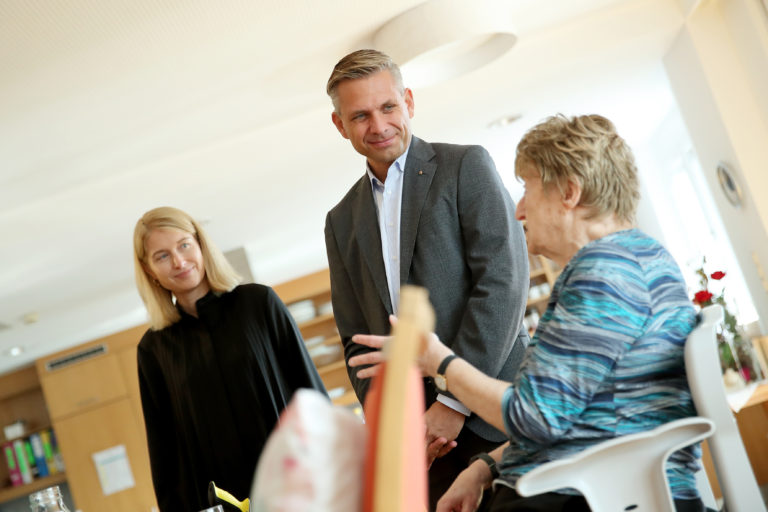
x,y
83,385
82,435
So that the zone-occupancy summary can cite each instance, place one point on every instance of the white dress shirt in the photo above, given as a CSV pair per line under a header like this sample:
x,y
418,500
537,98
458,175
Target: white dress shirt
x,y
388,197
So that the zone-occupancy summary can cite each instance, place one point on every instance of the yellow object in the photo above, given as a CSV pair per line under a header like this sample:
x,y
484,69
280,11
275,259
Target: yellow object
x,y
221,497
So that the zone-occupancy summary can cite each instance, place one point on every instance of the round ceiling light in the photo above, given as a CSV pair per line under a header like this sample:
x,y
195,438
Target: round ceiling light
x,y
15,351
442,39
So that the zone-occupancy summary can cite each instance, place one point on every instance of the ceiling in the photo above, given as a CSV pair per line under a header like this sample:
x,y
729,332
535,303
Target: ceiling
x,y
110,107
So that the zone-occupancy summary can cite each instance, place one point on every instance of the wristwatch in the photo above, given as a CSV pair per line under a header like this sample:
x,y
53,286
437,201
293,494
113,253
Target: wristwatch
x,y
488,460
440,381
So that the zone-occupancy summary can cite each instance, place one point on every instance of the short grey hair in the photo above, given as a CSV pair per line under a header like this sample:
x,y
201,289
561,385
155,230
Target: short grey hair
x,y
587,150
361,64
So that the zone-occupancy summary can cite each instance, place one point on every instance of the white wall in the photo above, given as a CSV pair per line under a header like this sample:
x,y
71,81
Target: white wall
x,y
718,70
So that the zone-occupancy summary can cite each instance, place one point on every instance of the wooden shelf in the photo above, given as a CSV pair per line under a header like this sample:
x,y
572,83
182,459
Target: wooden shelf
x,y
332,340
29,432
331,367
318,320
317,284
11,493
543,272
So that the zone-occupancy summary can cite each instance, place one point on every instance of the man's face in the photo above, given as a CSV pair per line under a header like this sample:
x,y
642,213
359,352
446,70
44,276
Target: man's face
x,y
375,117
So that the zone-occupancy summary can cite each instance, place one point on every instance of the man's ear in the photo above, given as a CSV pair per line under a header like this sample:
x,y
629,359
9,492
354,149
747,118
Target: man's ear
x,y
408,96
572,194
339,124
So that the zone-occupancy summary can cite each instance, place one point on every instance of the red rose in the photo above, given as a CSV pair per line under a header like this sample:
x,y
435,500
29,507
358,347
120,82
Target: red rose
x,y
717,275
702,296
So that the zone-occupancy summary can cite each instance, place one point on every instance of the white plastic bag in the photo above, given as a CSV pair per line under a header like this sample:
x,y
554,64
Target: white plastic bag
x,y
312,461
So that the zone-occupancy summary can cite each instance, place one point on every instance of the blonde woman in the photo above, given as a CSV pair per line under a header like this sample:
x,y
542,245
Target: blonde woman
x,y
217,366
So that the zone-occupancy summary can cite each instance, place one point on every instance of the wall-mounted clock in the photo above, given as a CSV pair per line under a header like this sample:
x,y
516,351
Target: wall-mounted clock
x,y
729,184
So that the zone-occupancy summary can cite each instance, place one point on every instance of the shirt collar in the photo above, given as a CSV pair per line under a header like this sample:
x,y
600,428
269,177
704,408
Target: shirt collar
x,y
398,164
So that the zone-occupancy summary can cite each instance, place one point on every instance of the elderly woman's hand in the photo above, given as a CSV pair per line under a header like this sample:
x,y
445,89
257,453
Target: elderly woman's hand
x,y
465,493
432,353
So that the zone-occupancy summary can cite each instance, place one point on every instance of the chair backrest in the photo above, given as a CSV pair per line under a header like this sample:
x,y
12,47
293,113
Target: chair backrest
x,y
702,363
625,473
395,469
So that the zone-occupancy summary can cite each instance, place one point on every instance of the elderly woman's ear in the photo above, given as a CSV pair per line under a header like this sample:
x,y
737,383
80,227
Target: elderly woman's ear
x,y
572,194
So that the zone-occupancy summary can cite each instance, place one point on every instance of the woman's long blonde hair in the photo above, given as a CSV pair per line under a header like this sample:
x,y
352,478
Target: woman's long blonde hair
x,y
219,273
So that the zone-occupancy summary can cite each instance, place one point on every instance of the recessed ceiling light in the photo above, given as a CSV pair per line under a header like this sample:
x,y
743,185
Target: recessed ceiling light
x,y
504,121
14,351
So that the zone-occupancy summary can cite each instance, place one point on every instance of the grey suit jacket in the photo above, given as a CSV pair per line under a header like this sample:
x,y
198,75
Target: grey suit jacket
x,y
460,240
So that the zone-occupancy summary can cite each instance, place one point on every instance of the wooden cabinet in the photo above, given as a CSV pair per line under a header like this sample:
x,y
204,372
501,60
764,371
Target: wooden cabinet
x,y
81,435
312,293
72,389
544,272
92,394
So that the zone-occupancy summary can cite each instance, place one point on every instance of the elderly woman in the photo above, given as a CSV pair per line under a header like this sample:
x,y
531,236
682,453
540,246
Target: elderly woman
x,y
607,357
216,368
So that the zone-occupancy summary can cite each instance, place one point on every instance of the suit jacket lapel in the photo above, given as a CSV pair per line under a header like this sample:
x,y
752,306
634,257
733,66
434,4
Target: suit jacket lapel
x,y
419,171
369,237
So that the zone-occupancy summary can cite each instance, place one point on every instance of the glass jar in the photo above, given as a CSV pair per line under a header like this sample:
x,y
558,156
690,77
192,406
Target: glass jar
x,y
47,500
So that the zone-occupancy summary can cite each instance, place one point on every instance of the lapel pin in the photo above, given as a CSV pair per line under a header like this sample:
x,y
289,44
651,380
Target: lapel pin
x,y
421,172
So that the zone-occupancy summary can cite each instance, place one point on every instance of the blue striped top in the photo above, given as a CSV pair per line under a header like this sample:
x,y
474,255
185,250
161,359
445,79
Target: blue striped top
x,y
606,359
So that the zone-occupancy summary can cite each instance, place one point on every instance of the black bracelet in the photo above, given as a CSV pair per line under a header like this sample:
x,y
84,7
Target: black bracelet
x,y
488,460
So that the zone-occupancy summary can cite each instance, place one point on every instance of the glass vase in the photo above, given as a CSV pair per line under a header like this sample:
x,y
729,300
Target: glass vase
x,y
47,500
728,354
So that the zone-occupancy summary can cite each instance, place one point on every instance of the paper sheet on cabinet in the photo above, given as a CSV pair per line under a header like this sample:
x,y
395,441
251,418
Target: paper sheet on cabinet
x,y
114,469
738,398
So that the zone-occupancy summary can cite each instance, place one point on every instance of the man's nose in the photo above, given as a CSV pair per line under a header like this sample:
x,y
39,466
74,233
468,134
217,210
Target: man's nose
x,y
378,123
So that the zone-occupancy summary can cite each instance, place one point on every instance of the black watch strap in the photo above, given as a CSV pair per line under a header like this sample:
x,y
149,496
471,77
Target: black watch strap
x,y
444,365
488,460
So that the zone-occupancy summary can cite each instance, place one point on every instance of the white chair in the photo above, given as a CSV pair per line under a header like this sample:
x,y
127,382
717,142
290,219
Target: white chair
x,y
628,473
702,363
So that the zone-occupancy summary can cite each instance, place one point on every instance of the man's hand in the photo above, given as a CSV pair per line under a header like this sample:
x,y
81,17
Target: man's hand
x,y
466,491
438,448
443,423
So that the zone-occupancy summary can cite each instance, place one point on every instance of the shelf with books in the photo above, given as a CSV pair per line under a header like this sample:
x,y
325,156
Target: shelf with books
x,y
31,457
22,401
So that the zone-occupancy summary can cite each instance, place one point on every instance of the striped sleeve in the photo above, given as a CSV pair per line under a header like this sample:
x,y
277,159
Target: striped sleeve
x,y
599,308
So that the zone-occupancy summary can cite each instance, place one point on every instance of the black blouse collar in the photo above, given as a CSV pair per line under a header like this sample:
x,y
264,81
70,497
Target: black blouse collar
x,y
207,310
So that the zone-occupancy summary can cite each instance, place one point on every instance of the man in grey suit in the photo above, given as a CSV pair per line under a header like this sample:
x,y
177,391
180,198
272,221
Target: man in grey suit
x,y
434,215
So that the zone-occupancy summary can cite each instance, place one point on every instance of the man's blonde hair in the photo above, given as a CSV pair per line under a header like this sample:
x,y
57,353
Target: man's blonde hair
x,y
219,273
588,151
361,64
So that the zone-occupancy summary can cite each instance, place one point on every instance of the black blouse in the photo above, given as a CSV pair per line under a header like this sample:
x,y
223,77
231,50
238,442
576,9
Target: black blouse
x,y
212,389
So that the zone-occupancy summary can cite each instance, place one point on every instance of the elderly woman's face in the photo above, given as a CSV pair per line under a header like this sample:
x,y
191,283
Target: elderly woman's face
x,y
543,212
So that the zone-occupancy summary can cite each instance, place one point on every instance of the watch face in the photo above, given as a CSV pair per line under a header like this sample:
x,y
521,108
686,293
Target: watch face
x,y
440,382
